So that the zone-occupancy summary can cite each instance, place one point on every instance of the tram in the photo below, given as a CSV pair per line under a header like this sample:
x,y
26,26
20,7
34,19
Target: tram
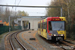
x,y
53,28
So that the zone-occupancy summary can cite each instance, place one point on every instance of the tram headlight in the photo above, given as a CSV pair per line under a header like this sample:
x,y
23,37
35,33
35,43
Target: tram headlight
x,y
62,34
54,34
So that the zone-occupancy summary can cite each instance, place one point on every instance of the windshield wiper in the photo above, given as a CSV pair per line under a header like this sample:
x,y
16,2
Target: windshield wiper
x,y
60,27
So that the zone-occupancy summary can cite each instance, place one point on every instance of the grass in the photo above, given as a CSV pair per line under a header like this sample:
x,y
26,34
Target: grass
x,y
1,36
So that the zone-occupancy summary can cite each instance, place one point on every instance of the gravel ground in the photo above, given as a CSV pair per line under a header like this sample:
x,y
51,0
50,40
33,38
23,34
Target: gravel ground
x,y
33,43
72,41
15,43
45,44
6,41
2,40
26,44
39,43
2,47
2,37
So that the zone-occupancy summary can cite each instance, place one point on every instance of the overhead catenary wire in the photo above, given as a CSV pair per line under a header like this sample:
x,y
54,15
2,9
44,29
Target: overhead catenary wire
x,y
15,8
19,2
35,7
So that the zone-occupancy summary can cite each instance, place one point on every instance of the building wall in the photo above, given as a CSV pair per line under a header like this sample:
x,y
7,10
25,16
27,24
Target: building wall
x,y
33,22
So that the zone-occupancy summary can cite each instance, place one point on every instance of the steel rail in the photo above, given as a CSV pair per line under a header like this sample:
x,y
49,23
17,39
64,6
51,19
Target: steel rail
x,y
10,40
68,44
12,45
19,42
54,44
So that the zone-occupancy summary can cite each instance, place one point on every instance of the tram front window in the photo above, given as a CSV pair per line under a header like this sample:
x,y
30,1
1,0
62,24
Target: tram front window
x,y
58,25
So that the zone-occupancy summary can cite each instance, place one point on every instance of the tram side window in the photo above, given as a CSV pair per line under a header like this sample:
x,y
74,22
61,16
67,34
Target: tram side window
x,y
38,25
65,25
50,27
41,25
44,25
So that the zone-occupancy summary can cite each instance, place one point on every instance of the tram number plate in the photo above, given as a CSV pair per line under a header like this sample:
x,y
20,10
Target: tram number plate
x,y
59,37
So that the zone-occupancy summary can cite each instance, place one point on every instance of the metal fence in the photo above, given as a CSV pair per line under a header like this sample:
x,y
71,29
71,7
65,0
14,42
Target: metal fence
x,y
15,28
4,29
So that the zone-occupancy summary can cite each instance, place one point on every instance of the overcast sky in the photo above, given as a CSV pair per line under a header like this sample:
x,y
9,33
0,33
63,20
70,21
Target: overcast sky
x,y
30,11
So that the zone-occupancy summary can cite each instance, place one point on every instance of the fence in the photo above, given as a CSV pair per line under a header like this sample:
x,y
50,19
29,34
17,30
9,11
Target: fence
x,y
4,29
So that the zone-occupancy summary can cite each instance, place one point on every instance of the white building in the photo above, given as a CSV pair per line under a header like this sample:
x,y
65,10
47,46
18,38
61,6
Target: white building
x,y
33,21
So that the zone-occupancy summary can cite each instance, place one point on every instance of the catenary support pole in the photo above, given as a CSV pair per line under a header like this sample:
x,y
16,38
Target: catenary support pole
x,y
61,12
9,23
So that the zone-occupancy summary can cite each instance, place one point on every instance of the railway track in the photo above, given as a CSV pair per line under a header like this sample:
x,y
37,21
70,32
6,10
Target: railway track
x,y
13,39
68,44
54,45
64,45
